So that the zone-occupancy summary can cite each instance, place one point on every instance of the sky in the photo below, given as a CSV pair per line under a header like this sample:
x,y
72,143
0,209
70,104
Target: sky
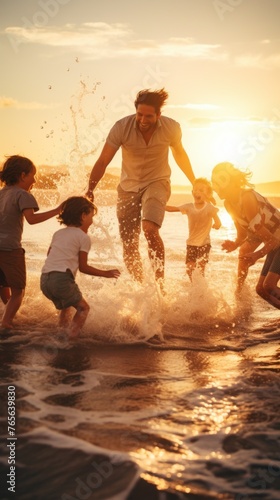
x,y
71,68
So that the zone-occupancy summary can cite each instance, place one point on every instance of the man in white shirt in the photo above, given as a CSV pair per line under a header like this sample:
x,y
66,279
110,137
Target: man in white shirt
x,y
145,138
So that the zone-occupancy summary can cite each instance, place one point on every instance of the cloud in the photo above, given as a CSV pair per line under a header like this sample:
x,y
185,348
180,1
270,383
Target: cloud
x,y
258,61
264,55
9,102
228,122
103,40
94,35
187,47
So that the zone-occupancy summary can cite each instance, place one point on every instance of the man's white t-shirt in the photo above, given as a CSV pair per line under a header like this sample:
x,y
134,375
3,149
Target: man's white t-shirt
x,y
144,163
64,250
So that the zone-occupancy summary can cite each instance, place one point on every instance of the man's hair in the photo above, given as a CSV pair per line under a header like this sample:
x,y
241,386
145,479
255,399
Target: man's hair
x,y
73,208
156,98
13,167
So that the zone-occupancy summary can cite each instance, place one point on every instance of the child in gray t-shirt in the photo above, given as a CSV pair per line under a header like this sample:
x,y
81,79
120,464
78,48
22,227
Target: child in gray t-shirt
x,y
16,203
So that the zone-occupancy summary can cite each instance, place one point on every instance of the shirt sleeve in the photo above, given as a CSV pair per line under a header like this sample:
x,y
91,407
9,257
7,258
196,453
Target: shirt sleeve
x,y
256,223
176,136
27,200
184,209
114,137
85,244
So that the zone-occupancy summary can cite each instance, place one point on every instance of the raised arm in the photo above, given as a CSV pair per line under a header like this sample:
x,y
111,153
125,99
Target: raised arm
x,y
98,170
183,161
35,218
171,208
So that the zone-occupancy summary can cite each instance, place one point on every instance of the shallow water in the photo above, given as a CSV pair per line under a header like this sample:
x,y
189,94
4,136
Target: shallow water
x,y
160,397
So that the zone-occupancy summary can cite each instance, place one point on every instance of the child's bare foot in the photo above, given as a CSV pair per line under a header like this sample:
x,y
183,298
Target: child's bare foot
x,y
7,326
275,323
74,333
161,286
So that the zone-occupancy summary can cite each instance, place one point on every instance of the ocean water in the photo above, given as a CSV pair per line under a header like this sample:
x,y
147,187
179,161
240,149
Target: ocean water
x,y
161,397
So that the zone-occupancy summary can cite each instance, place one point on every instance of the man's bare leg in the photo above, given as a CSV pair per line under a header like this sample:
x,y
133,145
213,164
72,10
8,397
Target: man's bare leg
x,y
131,254
132,260
155,248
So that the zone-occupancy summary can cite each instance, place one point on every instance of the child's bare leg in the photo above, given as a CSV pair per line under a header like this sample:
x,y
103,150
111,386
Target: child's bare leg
x,y
78,321
12,307
267,289
190,268
201,265
5,294
65,317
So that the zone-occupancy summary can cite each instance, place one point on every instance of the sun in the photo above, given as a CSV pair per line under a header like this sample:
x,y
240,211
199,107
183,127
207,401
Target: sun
x,y
226,219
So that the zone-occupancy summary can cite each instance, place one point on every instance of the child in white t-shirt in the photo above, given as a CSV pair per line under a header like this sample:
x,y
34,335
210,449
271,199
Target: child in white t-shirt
x,y
201,214
68,252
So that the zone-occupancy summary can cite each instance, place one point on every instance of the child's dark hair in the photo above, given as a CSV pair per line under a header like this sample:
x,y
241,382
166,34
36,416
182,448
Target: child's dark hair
x,y
73,208
13,167
156,98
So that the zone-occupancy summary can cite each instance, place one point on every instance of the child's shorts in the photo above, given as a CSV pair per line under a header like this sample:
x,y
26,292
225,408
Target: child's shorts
x,y
61,289
3,281
12,265
195,253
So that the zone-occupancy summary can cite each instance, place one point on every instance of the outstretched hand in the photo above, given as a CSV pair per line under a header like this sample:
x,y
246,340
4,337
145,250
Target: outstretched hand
x,y
112,273
229,246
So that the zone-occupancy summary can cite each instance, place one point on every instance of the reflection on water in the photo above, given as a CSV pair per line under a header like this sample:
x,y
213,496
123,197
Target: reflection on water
x,y
183,389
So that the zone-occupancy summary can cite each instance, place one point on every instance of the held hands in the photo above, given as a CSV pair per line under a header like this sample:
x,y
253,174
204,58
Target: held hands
x,y
229,246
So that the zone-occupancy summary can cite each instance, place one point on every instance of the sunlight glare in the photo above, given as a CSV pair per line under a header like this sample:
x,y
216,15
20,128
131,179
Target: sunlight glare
x,y
226,220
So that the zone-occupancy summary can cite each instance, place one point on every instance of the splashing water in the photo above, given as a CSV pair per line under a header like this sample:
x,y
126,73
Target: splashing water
x,y
182,387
